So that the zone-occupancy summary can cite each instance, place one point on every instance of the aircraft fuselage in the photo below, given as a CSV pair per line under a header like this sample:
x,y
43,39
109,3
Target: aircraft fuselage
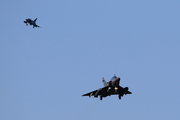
x,y
31,22
110,88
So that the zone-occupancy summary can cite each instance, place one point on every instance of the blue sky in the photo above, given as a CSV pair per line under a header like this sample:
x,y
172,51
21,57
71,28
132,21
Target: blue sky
x,y
44,71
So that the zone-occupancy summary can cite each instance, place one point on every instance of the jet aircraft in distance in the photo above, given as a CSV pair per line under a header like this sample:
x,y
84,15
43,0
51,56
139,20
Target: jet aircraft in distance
x,y
110,88
31,22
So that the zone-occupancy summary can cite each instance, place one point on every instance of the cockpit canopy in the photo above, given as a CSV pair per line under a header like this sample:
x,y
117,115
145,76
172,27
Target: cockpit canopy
x,y
113,78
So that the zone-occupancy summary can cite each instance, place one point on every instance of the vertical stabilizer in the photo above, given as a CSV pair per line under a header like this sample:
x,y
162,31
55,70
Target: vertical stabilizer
x,y
35,20
104,82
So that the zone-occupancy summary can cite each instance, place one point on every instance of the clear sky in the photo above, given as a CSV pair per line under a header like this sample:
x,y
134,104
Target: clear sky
x,y
44,71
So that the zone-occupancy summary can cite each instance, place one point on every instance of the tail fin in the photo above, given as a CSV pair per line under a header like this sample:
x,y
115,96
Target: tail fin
x,y
35,20
104,82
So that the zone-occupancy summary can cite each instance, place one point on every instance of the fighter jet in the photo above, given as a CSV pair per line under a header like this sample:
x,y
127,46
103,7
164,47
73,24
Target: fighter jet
x,y
110,88
31,22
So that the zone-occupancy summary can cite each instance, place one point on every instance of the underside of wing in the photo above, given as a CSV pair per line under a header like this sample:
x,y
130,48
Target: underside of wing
x,y
128,92
90,93
96,93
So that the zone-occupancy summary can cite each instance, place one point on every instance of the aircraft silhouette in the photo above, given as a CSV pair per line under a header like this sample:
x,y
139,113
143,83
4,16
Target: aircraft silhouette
x,y
31,22
110,88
